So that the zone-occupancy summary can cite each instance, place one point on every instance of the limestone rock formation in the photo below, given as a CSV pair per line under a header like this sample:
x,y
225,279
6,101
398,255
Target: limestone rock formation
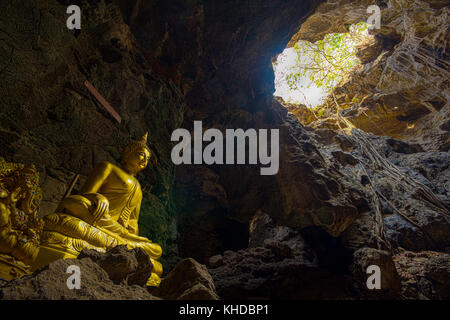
x,y
365,182
390,280
122,265
189,280
118,274
50,283
402,88
282,264
424,275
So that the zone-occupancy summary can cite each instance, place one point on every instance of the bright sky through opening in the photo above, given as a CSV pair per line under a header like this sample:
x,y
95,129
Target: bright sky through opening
x,y
292,60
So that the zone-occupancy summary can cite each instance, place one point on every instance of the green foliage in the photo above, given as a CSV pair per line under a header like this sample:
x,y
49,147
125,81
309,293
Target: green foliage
x,y
325,62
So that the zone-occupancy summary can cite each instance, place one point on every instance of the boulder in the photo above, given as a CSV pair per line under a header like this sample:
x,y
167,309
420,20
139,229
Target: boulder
x,y
189,280
50,283
281,264
390,280
122,265
424,275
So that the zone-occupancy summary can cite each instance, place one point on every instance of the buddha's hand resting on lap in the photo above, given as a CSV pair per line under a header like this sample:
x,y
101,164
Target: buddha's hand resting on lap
x,y
99,204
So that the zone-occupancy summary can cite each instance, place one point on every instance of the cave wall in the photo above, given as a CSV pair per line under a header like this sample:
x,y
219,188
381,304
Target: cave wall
x,y
161,65
401,89
49,119
400,94
386,155
164,64
220,55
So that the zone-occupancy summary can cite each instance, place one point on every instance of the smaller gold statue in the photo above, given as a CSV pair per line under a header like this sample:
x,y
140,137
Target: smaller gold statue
x,y
20,226
104,215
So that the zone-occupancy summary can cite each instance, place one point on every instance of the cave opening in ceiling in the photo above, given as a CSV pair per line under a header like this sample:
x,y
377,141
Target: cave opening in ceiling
x,y
307,73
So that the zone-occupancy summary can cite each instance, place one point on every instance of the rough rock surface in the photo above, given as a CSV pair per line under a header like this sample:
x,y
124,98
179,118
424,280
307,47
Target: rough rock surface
x,y
118,274
189,280
390,280
122,265
400,94
424,275
402,88
413,194
283,266
274,272
49,283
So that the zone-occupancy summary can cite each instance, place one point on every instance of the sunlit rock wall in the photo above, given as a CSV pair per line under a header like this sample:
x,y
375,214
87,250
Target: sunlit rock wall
x,y
402,88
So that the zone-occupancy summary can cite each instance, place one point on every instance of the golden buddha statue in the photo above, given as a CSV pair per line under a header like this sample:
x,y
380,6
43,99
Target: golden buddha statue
x,y
104,215
20,226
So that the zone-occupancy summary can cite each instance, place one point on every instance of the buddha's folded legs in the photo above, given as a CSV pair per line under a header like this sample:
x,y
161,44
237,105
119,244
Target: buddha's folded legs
x,y
65,236
95,236
93,208
76,228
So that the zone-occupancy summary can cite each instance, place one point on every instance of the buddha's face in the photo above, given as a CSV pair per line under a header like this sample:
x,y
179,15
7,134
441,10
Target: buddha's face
x,y
137,160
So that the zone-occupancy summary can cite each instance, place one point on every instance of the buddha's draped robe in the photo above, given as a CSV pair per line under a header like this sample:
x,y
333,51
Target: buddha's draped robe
x,y
80,223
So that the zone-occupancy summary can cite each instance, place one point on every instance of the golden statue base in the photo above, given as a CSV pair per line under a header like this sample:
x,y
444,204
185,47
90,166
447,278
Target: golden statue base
x,y
47,255
56,246
11,268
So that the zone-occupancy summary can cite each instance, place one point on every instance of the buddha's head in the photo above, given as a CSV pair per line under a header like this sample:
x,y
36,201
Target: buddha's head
x,y
135,156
